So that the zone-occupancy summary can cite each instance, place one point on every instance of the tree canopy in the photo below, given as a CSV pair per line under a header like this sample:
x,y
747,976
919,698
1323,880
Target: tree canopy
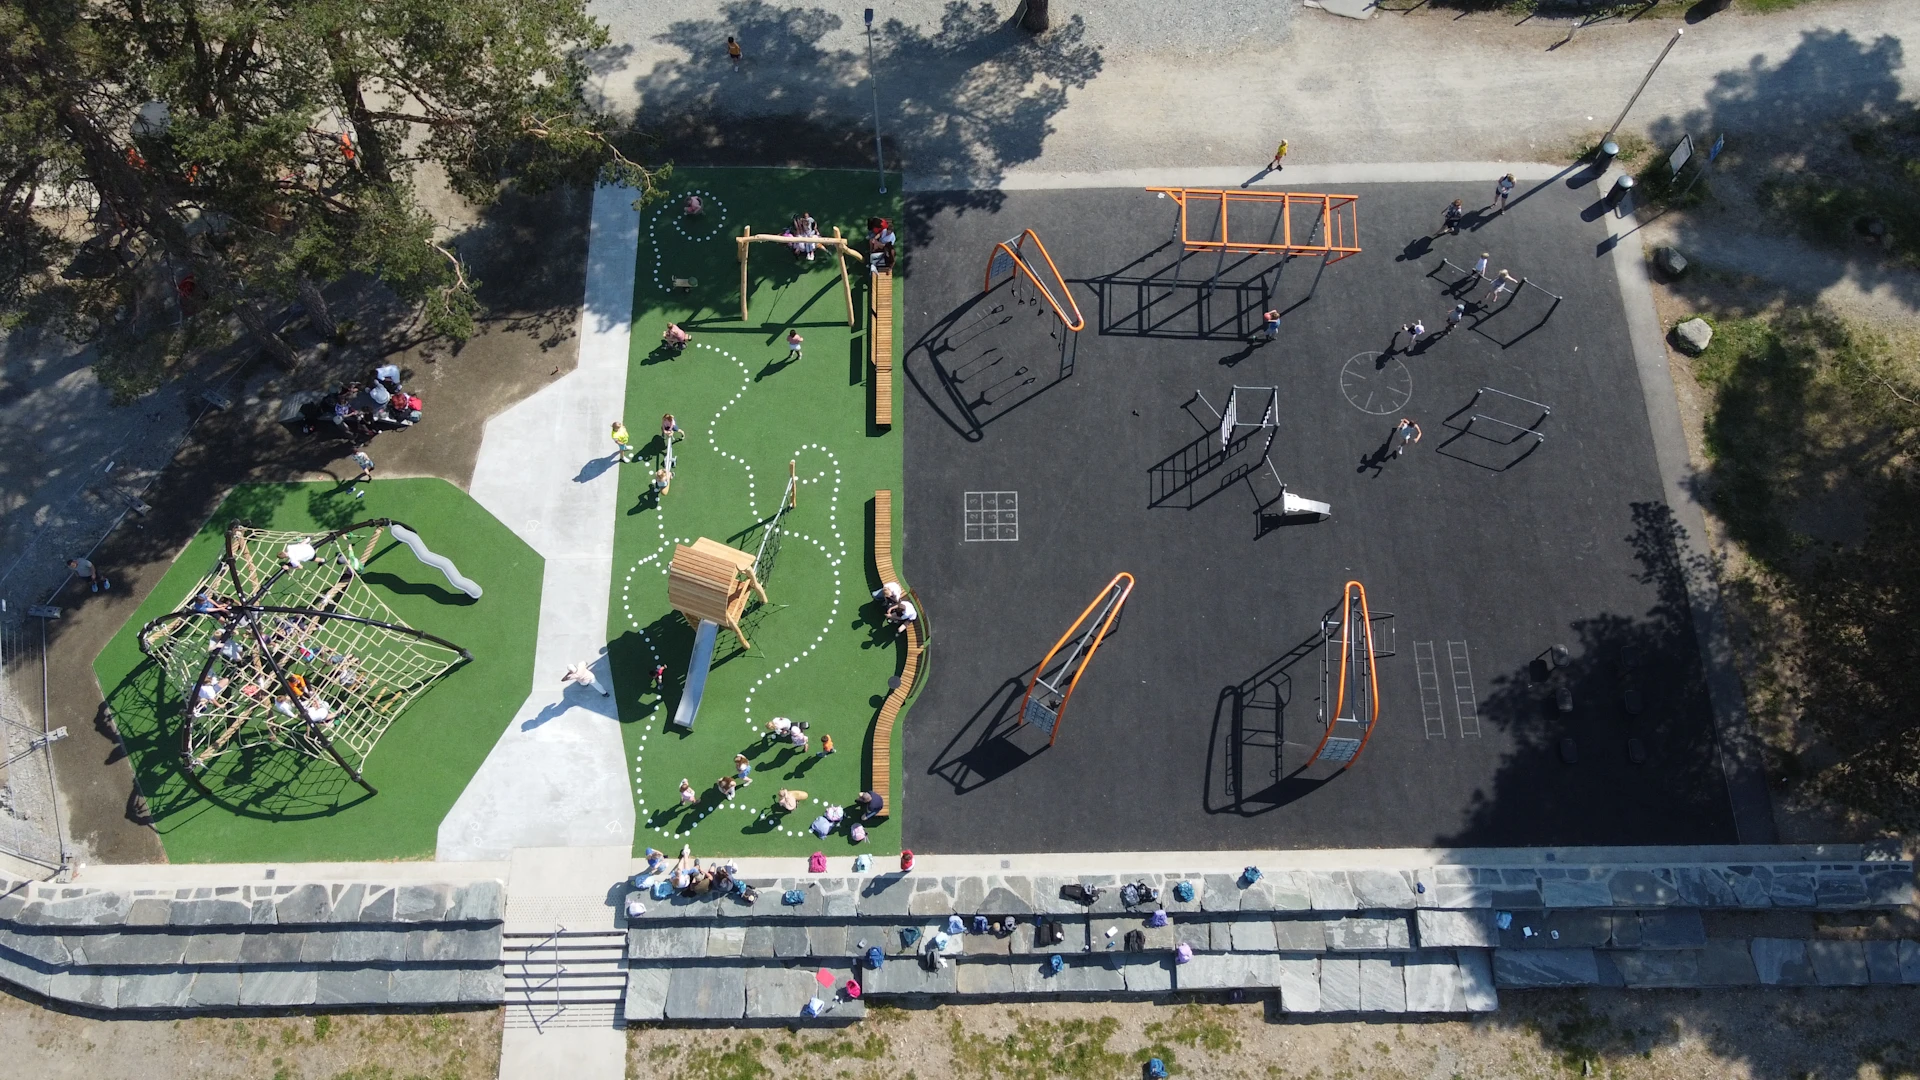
x,y
242,153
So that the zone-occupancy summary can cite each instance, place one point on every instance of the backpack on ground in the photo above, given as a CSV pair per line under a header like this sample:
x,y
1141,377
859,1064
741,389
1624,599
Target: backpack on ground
x,y
1129,895
1156,1069
858,835
1079,894
1136,940
1250,875
817,863
1183,892
1158,918
909,936
793,897
662,890
1182,953
979,924
876,957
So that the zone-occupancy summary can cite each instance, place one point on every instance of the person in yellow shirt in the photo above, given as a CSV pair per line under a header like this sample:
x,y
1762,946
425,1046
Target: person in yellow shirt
x,y
622,442
1279,155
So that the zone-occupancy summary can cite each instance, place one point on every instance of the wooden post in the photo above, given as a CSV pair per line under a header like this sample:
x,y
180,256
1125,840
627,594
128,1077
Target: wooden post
x,y
755,582
745,232
840,257
793,500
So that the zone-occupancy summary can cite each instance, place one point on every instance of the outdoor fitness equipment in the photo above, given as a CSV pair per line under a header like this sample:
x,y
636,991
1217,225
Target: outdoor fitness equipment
x,y
709,584
1046,709
1353,677
1009,259
835,244
1230,422
1340,214
314,661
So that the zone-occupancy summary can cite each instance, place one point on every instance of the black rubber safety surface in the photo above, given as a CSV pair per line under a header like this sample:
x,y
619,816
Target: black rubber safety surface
x,y
1192,726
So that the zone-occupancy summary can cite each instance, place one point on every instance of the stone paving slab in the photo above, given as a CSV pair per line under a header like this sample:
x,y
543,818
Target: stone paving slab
x,y
1432,979
1883,961
1525,969
1838,963
1782,962
1383,986
711,993
1339,984
780,993
1300,984
646,997
1477,987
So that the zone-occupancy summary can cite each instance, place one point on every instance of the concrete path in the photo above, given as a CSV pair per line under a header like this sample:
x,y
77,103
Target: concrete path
x,y
556,777
962,93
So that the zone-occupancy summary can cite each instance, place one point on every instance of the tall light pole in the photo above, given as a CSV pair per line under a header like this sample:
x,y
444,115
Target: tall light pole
x,y
1671,42
879,159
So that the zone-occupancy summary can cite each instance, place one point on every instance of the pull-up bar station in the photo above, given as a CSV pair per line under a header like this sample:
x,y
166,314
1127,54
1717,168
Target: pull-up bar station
x,y
1340,214
835,244
1045,708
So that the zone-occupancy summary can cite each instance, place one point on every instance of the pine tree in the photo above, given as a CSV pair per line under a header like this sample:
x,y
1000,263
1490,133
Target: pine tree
x,y
265,148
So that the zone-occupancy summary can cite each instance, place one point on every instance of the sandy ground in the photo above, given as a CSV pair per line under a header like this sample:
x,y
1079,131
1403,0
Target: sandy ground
x,y
1863,1033
48,1045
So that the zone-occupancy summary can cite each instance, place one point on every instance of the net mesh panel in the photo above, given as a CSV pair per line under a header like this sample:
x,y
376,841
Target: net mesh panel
x,y
1002,262
366,675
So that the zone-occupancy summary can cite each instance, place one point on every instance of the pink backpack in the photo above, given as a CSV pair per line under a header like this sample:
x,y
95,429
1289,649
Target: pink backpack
x,y
859,834
817,863
1182,953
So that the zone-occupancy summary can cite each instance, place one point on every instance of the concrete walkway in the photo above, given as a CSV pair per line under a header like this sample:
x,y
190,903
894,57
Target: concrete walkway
x,y
556,777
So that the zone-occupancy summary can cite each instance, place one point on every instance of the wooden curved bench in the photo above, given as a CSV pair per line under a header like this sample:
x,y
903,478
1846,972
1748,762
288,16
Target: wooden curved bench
x,y
880,341
880,761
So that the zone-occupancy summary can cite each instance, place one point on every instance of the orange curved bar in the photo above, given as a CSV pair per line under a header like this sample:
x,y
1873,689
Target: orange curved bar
x,y
1040,671
1373,673
1078,322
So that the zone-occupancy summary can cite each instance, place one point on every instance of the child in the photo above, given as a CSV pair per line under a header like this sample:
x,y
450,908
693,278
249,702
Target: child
x,y
1271,324
662,480
733,53
726,787
797,735
361,459
670,428
1279,155
793,345
826,746
687,797
778,728
660,677
742,770
622,443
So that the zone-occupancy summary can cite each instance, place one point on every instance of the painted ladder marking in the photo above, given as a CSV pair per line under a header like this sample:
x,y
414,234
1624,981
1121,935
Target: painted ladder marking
x,y
1465,703
1432,713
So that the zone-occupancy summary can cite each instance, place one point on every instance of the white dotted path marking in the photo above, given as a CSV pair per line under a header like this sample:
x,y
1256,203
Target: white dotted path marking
x,y
832,547
715,211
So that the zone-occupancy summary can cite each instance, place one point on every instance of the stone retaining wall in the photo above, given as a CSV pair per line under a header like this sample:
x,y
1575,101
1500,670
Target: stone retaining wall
x,y
254,946
1440,939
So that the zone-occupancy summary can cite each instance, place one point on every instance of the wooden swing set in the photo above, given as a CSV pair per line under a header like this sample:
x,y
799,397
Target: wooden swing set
x,y
837,244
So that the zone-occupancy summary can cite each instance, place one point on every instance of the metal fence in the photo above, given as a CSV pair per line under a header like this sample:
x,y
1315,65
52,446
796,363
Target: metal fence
x,y
30,825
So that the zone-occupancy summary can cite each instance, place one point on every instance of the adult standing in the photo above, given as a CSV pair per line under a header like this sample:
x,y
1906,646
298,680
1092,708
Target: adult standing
x,y
1502,191
83,567
1408,432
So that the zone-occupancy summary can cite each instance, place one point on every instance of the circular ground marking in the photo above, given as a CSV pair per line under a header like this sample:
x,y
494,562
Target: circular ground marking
x,y
1376,384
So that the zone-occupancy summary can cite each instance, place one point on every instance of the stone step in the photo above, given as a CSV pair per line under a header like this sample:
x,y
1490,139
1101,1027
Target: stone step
x,y
542,1016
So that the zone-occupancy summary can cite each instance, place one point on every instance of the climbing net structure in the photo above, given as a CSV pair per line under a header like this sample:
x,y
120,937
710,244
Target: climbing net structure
x,y
283,646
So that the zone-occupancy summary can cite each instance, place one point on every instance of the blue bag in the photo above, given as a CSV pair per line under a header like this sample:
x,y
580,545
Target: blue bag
x,y
1183,892
979,924
1158,918
875,957
1055,963
955,926
1156,1069
793,897
662,890
1250,875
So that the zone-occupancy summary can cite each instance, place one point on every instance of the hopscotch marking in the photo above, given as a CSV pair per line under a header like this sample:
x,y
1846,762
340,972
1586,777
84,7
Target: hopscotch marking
x,y
1432,713
1466,704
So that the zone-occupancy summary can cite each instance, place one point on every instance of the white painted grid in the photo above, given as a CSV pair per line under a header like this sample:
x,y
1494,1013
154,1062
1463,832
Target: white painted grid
x,y
991,515
1427,671
1465,703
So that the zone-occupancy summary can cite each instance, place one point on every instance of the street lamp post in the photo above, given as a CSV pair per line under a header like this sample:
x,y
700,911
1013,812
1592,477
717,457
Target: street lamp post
x,y
1671,42
879,158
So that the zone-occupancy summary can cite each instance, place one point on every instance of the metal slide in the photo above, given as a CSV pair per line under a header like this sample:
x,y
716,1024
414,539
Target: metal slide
x,y
703,640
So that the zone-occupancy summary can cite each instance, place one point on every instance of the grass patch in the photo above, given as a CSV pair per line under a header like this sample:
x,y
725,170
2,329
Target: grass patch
x,y
1811,434
1634,147
1037,1048
1864,200
818,652
277,806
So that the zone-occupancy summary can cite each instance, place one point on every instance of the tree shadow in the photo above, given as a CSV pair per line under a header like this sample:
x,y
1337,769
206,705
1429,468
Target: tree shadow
x,y
1631,698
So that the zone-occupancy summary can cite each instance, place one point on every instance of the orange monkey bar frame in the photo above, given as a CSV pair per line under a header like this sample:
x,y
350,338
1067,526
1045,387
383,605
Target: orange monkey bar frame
x,y
1341,213
1348,662
1014,248
1083,650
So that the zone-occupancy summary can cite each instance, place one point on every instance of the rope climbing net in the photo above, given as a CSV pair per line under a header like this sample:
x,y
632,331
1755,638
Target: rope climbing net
x,y
282,645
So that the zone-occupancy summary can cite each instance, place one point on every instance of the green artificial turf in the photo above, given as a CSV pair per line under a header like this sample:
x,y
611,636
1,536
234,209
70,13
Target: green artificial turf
x,y
276,806
818,653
